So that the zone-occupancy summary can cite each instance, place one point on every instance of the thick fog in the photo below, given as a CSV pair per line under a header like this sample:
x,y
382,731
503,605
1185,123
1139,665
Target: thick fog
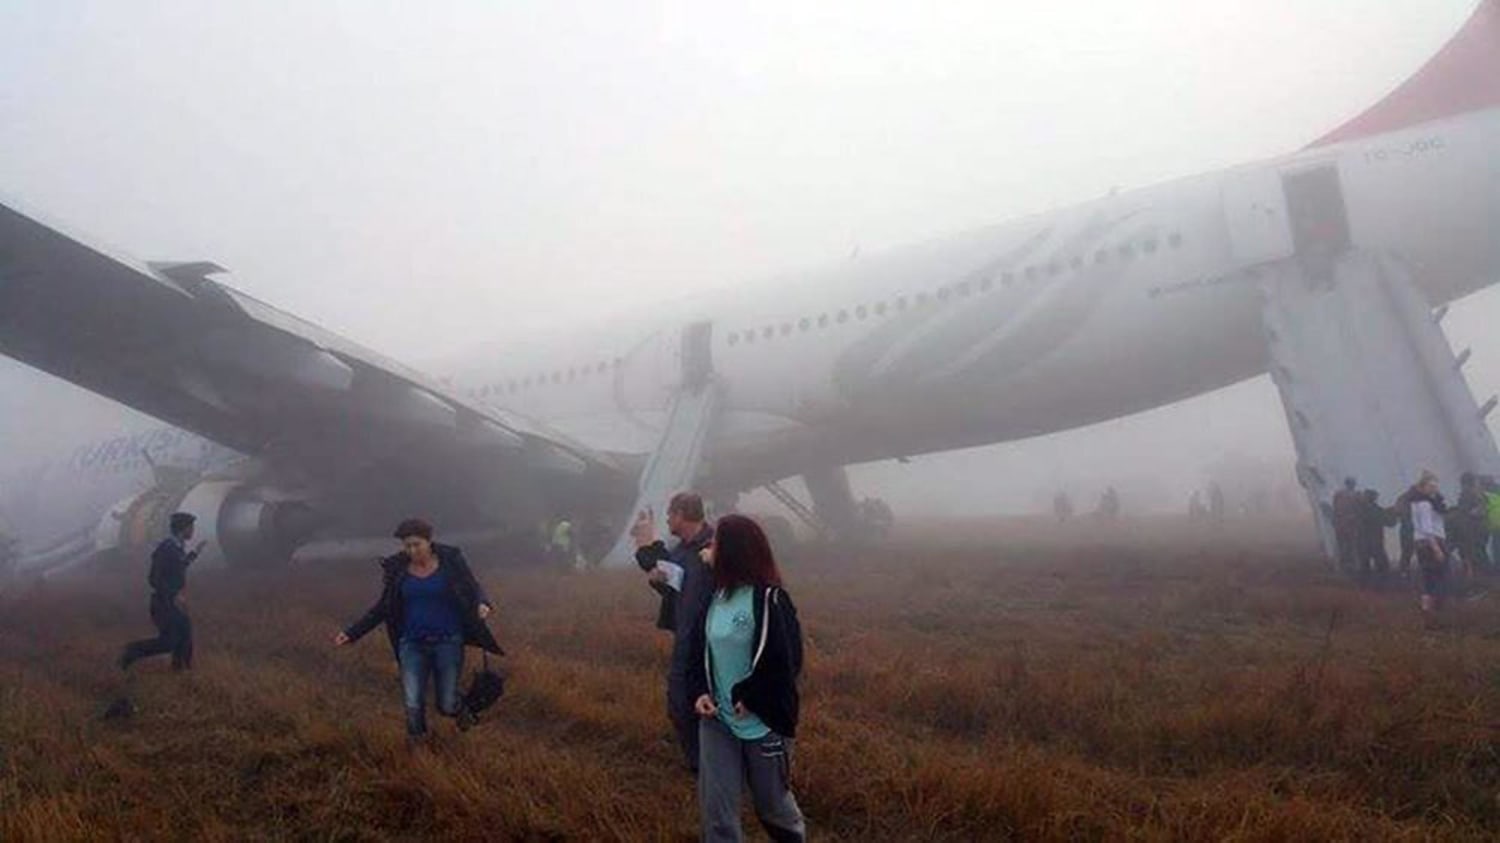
x,y
428,177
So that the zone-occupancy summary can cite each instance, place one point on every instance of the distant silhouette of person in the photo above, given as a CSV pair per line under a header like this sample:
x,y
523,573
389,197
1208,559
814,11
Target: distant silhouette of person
x,y
746,656
561,545
1196,510
1407,531
1346,508
876,518
1062,507
168,579
1469,523
685,584
1109,504
1492,516
1373,521
432,606
1216,506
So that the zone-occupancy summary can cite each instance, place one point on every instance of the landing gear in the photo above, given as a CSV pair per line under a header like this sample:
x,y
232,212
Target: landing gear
x,y
834,514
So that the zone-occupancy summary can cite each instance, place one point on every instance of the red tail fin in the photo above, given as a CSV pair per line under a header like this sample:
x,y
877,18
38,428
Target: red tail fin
x,y
1463,76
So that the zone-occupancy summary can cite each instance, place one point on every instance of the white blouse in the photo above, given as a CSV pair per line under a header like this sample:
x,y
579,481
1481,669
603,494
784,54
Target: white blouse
x,y
1426,522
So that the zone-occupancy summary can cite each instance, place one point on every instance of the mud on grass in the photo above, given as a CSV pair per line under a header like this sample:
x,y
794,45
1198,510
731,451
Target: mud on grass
x,y
973,681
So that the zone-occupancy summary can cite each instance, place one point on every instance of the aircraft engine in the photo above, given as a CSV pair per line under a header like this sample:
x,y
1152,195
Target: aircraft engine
x,y
245,526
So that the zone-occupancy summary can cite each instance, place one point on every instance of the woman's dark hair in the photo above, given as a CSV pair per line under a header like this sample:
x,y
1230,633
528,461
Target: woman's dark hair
x,y
413,527
742,555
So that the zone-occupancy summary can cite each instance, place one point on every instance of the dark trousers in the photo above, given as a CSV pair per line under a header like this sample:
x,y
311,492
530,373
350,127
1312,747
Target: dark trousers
x,y
1374,558
175,635
680,712
1349,550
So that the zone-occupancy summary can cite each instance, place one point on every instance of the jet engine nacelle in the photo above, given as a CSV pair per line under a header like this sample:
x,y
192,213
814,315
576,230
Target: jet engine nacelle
x,y
244,525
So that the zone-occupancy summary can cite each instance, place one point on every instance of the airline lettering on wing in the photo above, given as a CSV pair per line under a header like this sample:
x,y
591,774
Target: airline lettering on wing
x,y
1386,154
124,452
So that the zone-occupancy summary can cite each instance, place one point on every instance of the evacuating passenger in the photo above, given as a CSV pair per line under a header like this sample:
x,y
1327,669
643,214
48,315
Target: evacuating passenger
x,y
1407,532
1062,507
168,578
1346,508
1373,521
1431,538
1469,523
1492,515
746,656
431,606
1109,504
1196,510
560,545
686,586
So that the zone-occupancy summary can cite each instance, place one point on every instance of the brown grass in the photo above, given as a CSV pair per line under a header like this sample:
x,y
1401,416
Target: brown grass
x,y
968,682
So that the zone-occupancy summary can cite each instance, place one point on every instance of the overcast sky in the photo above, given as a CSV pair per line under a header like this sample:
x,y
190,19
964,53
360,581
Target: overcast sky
x,y
426,177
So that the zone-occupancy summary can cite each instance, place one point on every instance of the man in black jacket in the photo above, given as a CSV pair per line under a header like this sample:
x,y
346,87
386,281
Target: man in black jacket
x,y
168,578
686,587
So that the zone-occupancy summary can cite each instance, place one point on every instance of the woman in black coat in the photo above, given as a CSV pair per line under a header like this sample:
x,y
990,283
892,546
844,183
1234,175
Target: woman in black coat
x,y
432,606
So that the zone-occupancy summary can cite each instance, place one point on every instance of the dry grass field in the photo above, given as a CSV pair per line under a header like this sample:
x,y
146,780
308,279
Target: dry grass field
x,y
967,682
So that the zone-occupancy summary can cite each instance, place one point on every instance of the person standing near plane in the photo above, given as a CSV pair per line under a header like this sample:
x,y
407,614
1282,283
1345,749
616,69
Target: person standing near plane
x,y
685,584
1470,523
1062,507
1373,521
432,606
168,579
1346,506
746,660
1431,539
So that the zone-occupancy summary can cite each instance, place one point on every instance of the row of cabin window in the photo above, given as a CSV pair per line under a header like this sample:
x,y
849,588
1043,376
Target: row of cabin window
x,y
961,290
557,377
943,294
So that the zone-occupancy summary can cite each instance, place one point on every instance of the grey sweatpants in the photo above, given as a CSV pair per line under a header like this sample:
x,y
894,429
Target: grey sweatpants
x,y
726,765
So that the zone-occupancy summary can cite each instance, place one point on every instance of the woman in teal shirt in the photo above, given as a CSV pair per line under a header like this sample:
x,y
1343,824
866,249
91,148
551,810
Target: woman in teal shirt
x,y
746,658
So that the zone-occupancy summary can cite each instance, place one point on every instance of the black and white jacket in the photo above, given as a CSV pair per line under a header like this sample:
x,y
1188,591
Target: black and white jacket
x,y
770,691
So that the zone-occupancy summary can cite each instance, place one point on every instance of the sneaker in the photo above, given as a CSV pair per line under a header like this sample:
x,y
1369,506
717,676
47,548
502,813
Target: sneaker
x,y
465,718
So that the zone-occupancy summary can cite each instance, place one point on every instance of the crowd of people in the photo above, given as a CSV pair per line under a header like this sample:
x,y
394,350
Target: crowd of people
x,y
1442,539
732,680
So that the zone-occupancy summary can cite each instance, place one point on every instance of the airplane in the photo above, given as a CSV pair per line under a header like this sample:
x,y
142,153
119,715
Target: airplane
x,y
1321,267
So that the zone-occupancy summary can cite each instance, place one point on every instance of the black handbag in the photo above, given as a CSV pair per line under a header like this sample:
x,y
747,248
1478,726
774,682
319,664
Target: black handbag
x,y
485,688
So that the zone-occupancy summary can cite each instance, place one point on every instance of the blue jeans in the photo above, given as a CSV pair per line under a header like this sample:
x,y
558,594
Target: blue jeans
x,y
441,658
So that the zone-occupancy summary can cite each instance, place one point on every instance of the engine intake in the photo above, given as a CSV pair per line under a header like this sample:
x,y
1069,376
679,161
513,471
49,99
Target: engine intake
x,y
245,526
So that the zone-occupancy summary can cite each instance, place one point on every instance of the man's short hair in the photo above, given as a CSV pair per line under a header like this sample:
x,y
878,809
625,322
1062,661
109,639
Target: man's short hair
x,y
413,527
688,505
180,521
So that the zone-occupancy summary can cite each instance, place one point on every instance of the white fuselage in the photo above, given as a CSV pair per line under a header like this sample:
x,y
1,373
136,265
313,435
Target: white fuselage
x,y
1121,304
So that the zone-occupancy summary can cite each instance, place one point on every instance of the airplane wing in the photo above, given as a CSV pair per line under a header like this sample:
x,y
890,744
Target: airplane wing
x,y
168,340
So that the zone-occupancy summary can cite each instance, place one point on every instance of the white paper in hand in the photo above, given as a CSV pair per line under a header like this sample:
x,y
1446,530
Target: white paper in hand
x,y
673,572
